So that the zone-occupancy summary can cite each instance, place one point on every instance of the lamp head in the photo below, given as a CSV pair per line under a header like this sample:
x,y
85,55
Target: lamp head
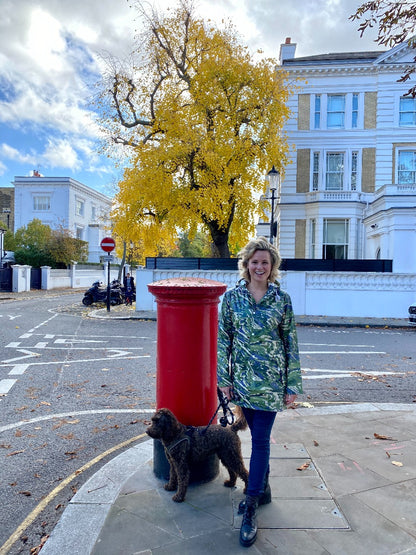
x,y
273,177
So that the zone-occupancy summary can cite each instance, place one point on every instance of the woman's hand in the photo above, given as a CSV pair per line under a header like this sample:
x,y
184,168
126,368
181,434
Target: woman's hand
x,y
290,398
227,391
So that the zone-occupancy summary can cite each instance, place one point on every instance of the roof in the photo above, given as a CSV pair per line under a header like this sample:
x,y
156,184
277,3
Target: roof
x,y
337,57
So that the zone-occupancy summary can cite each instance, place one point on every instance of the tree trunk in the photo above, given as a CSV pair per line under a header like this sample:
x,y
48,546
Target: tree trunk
x,y
220,241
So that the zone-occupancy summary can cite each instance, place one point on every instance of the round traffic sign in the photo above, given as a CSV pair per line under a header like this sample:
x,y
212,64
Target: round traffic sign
x,y
108,244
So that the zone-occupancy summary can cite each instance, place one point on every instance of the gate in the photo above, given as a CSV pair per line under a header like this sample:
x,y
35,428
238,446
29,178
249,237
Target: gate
x,y
6,278
35,278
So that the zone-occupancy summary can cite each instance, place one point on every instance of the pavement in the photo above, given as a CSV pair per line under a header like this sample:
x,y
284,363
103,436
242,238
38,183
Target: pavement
x,y
343,480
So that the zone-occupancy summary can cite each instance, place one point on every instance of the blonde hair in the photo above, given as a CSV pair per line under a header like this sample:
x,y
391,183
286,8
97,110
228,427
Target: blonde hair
x,y
258,244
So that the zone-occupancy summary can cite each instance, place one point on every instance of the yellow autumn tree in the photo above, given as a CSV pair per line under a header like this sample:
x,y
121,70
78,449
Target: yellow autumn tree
x,y
201,122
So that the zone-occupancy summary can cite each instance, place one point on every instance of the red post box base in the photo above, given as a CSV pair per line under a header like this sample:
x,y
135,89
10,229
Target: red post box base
x,y
202,472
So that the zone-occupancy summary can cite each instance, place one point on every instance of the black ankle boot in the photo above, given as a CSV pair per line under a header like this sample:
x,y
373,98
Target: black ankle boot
x,y
264,498
248,532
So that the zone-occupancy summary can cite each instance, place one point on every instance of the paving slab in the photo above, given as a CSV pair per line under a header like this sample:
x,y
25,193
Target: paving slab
x,y
385,458
370,534
300,514
344,475
396,502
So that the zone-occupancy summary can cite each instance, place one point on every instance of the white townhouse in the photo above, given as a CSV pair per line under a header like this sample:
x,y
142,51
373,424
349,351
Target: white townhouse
x,y
63,201
350,189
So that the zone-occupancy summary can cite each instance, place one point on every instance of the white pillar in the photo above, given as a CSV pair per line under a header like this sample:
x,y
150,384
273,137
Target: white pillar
x,y
46,277
144,299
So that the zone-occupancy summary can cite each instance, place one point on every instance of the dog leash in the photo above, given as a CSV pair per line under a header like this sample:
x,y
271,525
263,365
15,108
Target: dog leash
x,y
228,415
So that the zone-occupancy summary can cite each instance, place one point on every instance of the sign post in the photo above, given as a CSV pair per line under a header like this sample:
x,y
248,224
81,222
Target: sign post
x,y
108,244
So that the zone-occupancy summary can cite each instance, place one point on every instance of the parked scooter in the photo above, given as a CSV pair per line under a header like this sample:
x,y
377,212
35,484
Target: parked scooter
x,y
97,293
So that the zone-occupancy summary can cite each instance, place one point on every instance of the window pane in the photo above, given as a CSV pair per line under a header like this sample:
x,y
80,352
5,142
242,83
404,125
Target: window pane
x,y
406,171
335,120
335,110
334,172
407,112
335,240
336,102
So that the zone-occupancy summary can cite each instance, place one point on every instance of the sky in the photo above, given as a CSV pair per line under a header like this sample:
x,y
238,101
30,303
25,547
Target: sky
x,y
52,51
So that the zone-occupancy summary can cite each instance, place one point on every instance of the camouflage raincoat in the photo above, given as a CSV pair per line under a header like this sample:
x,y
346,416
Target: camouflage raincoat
x,y
257,348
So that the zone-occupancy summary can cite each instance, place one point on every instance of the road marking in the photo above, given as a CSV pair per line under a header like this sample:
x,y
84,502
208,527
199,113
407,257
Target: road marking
x,y
43,323
28,354
72,414
6,363
25,336
5,548
40,345
66,341
327,373
13,344
334,345
342,352
6,385
18,369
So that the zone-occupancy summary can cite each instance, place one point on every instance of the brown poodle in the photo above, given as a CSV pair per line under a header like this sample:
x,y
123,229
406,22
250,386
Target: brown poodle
x,y
187,446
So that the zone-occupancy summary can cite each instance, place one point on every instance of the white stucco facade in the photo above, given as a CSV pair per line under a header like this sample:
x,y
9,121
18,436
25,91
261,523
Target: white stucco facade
x,y
350,188
63,201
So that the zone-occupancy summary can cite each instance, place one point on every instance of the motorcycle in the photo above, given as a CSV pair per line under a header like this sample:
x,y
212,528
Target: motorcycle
x,y
97,293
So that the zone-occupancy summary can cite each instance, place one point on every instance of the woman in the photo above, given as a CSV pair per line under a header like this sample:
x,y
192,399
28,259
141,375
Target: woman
x,y
258,363
128,283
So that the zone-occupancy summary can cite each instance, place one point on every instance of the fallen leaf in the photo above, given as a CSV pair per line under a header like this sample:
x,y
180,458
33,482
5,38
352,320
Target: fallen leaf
x,y
388,438
304,466
58,506
27,493
15,453
315,443
18,433
5,446
397,463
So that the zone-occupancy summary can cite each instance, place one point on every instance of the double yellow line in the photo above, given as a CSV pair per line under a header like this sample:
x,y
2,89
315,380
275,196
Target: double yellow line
x,y
4,549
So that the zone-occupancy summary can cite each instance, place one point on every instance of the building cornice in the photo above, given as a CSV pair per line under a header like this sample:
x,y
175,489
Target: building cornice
x,y
305,70
68,181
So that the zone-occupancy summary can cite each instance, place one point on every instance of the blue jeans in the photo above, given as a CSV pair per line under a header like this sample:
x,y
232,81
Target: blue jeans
x,y
260,423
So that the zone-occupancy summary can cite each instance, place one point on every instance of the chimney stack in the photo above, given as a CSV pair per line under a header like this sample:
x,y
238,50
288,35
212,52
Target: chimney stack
x,y
287,51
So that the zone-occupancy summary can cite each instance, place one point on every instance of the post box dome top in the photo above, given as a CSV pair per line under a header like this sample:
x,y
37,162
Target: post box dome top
x,y
187,287
187,282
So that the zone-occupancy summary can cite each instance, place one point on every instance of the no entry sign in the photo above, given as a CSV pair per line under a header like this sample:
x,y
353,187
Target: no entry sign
x,y
108,244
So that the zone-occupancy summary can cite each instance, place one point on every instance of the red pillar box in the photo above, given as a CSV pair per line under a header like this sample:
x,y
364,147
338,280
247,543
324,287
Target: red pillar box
x,y
186,382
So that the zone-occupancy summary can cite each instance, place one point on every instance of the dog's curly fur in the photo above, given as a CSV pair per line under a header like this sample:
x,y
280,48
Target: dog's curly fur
x,y
184,447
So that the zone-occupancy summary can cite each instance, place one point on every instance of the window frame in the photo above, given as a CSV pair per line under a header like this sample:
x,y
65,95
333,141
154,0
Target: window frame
x,y
79,207
326,245
413,112
398,171
37,207
318,170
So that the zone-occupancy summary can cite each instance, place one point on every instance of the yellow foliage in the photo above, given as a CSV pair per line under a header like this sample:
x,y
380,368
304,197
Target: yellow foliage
x,y
203,125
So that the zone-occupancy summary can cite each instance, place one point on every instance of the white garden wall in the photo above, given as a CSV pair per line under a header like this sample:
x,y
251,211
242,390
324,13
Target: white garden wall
x,y
354,294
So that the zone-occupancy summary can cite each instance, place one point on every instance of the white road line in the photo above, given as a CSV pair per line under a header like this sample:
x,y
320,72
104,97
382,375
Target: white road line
x,y
74,413
40,345
6,385
43,323
335,345
18,369
79,360
75,340
28,354
342,352
338,374
13,344
25,336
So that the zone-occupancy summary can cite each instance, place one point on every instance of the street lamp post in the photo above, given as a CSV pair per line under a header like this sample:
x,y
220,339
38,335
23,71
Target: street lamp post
x,y
273,177
2,232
